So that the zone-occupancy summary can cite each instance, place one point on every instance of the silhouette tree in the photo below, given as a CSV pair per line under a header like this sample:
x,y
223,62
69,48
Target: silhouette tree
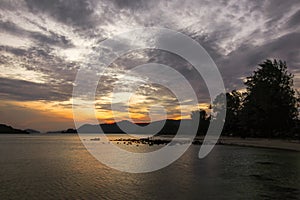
x,y
203,121
233,108
270,103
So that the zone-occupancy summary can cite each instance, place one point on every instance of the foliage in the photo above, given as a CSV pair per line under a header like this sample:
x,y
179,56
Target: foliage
x,y
203,120
233,108
269,106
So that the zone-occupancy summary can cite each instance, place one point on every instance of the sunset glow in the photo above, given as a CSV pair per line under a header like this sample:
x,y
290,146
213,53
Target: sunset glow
x,y
42,50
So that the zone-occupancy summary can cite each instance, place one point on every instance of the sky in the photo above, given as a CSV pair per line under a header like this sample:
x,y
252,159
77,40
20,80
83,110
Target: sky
x,y
44,43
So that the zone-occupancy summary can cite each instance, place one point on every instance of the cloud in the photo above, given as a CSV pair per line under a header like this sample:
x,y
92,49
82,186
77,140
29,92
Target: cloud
x,y
12,89
69,12
243,61
276,10
134,5
52,39
294,20
48,41
31,117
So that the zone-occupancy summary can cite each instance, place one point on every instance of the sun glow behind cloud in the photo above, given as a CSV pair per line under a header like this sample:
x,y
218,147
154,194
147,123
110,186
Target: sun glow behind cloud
x,y
43,44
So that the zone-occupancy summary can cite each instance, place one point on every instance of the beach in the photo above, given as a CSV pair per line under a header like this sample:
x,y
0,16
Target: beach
x,y
283,144
288,144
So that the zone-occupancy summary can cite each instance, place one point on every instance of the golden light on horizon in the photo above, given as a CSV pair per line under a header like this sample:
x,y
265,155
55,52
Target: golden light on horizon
x,y
57,109
138,112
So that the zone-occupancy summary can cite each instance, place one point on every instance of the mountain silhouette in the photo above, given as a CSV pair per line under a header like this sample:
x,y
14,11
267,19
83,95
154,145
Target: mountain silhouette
x,y
32,131
166,127
8,129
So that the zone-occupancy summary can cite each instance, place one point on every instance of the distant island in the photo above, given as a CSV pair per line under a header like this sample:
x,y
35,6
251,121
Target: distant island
x,y
32,131
4,129
68,131
169,127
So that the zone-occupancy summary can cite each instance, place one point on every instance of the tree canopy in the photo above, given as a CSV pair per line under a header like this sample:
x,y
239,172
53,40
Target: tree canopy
x,y
268,108
270,104
233,108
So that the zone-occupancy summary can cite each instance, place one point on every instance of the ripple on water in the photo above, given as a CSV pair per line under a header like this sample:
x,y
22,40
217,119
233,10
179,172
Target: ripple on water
x,y
59,167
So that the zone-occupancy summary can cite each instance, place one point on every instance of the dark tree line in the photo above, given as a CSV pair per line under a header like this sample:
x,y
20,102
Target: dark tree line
x,y
204,120
268,108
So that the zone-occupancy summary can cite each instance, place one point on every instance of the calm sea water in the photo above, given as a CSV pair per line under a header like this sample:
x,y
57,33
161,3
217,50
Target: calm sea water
x,y
59,167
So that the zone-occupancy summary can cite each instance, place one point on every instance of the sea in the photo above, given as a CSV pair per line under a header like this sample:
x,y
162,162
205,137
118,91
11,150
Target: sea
x,y
58,166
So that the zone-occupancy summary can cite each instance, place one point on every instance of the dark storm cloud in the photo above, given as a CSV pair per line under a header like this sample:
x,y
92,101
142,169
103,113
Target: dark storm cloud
x,y
183,67
132,4
57,73
69,12
41,59
12,89
221,22
53,39
43,43
294,21
13,50
209,41
243,61
275,10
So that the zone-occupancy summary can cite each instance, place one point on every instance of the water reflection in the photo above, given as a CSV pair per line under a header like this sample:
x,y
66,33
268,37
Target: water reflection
x,y
59,167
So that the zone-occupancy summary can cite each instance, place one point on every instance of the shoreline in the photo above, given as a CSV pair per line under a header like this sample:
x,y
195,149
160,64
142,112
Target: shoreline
x,y
280,144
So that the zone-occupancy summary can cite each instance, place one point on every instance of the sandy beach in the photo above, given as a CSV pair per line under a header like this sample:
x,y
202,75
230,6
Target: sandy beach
x,y
293,145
